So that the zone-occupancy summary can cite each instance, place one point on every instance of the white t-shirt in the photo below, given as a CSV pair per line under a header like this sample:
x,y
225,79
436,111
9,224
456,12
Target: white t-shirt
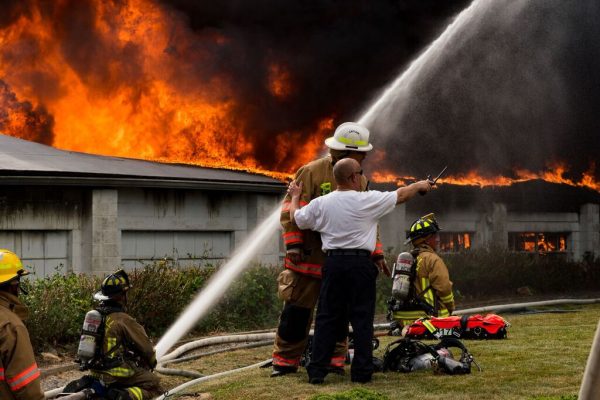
x,y
346,219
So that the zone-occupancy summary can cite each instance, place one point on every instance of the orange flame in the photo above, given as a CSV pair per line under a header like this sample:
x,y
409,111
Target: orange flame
x,y
157,115
555,174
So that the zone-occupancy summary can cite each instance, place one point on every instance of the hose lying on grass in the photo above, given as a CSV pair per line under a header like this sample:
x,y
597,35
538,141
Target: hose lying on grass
x,y
266,338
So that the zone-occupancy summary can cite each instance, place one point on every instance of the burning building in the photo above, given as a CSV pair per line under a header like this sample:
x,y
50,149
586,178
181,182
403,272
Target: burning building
x,y
535,217
66,211
500,91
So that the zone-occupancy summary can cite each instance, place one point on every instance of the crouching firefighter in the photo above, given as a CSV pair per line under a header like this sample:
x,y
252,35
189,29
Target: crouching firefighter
x,y
19,373
422,285
115,349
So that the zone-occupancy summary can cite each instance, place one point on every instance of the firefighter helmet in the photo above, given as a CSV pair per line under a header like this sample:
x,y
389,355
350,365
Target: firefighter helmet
x,y
421,228
11,266
350,136
113,285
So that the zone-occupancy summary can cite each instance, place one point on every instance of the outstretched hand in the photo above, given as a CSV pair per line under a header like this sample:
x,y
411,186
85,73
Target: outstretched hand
x,y
294,190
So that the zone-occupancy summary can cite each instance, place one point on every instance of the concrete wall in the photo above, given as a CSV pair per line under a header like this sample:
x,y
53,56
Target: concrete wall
x,y
98,230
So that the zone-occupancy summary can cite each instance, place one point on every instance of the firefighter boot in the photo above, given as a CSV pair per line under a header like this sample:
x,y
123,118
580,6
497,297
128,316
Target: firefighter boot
x,y
281,371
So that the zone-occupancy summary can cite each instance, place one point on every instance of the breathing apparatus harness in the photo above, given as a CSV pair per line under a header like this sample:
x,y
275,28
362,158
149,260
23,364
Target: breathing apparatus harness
x,y
408,355
404,296
90,352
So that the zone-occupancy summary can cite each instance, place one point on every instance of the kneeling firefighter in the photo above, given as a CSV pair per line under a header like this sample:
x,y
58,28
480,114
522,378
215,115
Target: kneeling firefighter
x,y
422,285
115,349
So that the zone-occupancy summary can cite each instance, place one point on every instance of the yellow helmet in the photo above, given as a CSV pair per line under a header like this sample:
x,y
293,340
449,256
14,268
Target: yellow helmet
x,y
114,284
10,266
421,228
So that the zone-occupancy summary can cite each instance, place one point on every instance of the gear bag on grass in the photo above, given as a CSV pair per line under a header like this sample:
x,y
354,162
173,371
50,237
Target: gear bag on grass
x,y
408,355
490,326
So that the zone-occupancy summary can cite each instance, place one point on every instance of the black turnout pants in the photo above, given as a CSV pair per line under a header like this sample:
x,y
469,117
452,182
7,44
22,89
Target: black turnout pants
x,y
347,295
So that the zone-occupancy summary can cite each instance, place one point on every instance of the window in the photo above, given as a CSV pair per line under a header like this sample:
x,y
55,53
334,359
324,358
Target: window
x,y
540,242
455,241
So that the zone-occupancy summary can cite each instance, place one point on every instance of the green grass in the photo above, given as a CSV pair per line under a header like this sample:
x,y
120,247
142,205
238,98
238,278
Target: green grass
x,y
543,359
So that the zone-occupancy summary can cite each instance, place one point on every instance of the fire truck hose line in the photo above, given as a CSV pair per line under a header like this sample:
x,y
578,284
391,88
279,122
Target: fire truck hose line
x,y
263,339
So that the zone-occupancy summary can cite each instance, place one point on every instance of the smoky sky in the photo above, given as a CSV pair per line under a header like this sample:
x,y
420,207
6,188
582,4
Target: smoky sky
x,y
517,86
337,52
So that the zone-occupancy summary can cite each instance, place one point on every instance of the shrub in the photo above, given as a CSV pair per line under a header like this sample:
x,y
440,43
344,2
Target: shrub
x,y
161,291
57,305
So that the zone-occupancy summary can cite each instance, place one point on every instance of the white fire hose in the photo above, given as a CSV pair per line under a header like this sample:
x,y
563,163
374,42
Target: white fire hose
x,y
590,386
591,378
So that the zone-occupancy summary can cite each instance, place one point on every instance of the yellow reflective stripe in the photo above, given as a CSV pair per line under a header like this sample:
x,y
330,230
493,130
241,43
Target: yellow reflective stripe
x,y
111,342
447,299
443,313
121,372
136,392
428,295
429,326
425,224
408,315
352,142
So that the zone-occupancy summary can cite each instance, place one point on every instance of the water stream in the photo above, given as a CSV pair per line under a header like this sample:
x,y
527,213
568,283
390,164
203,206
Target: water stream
x,y
241,258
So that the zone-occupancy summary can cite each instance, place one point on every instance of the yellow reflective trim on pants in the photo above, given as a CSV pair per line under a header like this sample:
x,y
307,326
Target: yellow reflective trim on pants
x,y
136,393
447,299
443,313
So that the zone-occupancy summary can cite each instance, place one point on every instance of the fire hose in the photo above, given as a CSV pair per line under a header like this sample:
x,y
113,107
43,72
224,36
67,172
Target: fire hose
x,y
260,339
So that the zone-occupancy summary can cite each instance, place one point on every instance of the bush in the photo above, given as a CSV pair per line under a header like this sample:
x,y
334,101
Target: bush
x,y
57,305
161,291
482,273
159,294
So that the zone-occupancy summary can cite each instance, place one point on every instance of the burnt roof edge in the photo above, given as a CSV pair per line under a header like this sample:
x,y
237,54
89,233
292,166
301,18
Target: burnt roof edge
x,y
56,180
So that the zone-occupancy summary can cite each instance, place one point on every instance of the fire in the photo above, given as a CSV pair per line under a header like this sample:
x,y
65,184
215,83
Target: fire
x,y
137,92
554,174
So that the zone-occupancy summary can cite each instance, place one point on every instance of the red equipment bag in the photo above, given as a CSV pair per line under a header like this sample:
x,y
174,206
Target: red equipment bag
x,y
490,326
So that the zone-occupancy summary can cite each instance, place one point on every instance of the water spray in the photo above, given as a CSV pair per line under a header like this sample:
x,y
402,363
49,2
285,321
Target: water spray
x,y
222,279
402,83
219,283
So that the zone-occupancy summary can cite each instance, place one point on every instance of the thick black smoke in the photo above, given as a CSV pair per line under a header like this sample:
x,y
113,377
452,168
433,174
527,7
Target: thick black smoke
x,y
21,119
337,52
517,86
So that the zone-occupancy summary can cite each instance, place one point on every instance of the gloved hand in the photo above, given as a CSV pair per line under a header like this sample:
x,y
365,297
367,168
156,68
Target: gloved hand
x,y
294,255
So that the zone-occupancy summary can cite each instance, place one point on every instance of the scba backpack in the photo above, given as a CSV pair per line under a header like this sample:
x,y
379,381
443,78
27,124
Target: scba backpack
x,y
408,355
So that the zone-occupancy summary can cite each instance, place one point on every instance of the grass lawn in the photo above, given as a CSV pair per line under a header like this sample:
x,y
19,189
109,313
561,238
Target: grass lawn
x,y
543,358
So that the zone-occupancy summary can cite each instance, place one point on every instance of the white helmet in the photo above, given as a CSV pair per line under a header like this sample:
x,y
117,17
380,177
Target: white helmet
x,y
350,136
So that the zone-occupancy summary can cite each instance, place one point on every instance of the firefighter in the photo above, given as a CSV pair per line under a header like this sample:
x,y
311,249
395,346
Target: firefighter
x,y
19,373
300,281
431,293
124,362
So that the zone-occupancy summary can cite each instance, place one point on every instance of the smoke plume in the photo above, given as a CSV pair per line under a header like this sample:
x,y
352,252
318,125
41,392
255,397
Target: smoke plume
x,y
515,88
263,83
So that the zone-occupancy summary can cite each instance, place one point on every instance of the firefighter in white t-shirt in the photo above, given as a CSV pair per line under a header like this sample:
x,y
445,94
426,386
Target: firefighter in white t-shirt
x,y
347,221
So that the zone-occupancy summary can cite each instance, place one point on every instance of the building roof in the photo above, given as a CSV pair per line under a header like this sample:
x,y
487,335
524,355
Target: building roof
x,y
29,163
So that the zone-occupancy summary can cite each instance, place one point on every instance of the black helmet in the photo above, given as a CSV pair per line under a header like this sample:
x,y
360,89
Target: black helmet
x,y
423,227
114,284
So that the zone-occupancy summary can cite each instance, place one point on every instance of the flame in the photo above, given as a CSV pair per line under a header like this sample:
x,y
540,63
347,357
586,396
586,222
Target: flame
x,y
554,174
138,96
280,84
